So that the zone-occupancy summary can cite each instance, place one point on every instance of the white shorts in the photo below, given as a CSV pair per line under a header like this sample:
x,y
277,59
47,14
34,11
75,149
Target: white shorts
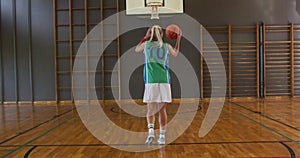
x,y
157,93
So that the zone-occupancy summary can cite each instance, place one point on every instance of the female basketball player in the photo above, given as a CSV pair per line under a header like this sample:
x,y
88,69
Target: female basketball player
x,y
157,78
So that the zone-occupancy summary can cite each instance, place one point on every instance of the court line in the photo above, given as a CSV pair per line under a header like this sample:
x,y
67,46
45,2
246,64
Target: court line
x,y
37,137
30,129
113,109
270,118
29,151
269,128
292,153
193,143
174,144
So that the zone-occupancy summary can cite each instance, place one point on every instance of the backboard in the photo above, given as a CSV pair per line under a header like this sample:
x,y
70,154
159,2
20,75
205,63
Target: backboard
x,y
139,7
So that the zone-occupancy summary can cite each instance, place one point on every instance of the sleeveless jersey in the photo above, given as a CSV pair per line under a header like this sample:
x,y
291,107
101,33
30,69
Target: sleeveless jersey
x,y
156,63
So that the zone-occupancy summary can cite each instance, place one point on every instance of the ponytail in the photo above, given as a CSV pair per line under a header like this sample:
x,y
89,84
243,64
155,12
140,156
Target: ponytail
x,y
156,33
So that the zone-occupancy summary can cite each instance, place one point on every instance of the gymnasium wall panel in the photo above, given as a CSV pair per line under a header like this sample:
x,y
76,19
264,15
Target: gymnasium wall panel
x,y
7,50
30,71
27,51
23,50
243,12
42,50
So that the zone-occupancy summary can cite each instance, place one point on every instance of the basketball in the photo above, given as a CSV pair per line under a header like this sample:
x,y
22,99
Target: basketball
x,y
172,31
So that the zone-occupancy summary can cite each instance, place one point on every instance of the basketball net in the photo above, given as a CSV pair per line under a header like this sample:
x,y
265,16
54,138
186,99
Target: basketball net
x,y
154,9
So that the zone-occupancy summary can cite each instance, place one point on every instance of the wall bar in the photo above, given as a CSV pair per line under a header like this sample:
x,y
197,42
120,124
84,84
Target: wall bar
x,y
102,48
229,62
55,55
263,60
87,50
119,49
292,61
55,49
257,60
71,49
201,63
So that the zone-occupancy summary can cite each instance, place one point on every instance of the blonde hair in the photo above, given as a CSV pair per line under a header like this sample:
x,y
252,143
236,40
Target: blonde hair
x,y
156,34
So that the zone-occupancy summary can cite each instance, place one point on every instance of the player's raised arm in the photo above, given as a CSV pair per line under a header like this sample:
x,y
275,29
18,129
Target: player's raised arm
x,y
174,51
140,47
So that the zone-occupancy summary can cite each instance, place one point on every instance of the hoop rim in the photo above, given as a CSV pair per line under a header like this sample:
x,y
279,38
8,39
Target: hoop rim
x,y
151,4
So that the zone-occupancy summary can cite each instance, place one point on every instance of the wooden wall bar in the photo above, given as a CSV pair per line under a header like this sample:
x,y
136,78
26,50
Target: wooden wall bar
x,y
71,49
119,51
292,60
102,59
244,61
257,61
264,61
241,58
278,57
221,45
62,49
229,61
201,64
238,45
296,56
240,48
73,20
86,25
55,47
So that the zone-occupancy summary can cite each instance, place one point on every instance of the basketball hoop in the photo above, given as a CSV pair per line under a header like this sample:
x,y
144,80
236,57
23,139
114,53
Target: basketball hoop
x,y
154,9
144,8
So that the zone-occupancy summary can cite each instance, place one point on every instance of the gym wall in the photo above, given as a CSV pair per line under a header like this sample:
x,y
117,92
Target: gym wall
x,y
28,69
27,65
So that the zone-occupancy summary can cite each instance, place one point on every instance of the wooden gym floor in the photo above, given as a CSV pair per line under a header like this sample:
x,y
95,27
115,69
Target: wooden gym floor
x,y
247,128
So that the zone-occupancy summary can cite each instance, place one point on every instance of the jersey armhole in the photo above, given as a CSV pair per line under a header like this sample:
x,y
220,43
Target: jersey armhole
x,y
167,45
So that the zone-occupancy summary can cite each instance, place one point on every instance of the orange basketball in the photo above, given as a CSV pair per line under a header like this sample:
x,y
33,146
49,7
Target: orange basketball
x,y
172,31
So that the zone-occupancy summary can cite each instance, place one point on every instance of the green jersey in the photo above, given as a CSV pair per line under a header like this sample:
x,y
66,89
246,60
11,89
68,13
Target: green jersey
x,y
156,63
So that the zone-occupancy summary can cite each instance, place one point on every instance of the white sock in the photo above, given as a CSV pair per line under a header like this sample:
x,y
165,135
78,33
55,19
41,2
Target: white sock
x,y
150,126
151,129
162,133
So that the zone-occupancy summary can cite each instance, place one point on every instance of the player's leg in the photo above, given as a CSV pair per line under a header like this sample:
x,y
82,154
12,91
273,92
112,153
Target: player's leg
x,y
163,120
150,121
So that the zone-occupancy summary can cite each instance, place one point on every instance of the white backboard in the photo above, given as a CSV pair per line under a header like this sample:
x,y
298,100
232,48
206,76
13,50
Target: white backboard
x,y
138,7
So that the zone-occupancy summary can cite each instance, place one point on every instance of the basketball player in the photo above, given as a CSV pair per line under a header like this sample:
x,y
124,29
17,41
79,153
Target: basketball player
x,y
157,78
